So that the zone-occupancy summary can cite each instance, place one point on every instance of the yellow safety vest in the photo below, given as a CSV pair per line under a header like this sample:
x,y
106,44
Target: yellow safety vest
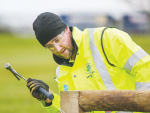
x,y
107,59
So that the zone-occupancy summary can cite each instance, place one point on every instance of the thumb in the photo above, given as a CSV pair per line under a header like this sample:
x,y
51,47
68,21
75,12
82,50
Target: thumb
x,y
29,80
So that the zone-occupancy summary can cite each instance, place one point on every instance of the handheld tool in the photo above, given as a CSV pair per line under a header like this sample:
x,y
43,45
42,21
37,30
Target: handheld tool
x,y
18,76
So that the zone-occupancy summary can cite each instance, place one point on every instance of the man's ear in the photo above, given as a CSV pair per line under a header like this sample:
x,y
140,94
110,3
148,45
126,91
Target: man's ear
x,y
67,29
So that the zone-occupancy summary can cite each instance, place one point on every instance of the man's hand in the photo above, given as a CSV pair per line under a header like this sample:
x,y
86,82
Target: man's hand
x,y
34,85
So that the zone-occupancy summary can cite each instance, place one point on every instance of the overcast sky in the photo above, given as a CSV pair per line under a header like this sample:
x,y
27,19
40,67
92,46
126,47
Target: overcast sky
x,y
23,12
61,6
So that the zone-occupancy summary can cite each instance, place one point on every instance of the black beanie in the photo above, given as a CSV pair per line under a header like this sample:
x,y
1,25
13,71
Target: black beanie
x,y
47,26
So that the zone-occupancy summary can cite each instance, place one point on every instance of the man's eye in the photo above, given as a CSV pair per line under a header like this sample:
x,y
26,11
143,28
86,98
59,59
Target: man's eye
x,y
57,40
49,46
52,47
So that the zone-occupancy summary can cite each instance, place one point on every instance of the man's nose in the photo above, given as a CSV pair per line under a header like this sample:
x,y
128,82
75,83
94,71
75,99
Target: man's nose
x,y
57,47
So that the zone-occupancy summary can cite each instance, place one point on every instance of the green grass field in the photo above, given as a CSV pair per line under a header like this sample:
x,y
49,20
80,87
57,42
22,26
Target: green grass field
x,y
30,59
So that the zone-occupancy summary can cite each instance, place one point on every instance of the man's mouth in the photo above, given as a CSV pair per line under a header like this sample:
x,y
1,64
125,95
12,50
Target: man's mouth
x,y
63,51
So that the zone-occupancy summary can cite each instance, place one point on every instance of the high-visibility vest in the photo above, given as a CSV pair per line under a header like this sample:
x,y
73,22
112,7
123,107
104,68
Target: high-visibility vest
x,y
107,59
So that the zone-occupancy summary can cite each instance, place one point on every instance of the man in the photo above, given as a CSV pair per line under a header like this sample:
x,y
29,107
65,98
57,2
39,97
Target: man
x,y
93,59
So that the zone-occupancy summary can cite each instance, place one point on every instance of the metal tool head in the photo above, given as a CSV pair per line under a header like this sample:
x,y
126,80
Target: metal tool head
x,y
8,66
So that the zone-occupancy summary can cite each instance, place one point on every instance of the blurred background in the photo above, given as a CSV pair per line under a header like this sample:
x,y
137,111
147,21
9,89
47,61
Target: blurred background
x,y
19,47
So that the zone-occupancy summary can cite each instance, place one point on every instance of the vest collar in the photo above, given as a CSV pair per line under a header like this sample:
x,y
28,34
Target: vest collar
x,y
77,36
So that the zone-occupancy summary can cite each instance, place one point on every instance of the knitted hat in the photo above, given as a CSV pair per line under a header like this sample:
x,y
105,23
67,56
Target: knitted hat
x,y
47,26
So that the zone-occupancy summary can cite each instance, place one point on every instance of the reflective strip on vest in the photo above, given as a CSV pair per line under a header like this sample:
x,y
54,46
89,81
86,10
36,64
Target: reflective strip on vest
x,y
58,71
142,85
134,59
99,63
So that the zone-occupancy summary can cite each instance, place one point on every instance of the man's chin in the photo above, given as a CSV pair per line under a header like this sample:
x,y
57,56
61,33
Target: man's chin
x,y
64,57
